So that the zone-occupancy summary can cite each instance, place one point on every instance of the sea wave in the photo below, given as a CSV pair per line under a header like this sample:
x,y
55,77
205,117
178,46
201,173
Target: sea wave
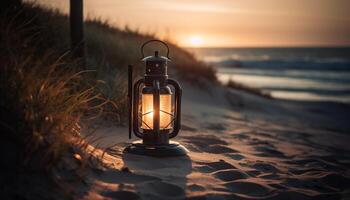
x,y
304,63
316,74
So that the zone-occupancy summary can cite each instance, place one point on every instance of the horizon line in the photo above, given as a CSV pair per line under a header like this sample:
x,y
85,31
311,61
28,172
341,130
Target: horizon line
x,y
283,46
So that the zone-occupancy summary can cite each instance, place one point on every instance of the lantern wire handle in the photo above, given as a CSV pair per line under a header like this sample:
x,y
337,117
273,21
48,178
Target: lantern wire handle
x,y
155,40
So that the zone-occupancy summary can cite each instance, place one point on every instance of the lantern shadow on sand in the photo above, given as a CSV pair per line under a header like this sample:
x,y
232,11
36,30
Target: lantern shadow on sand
x,y
155,109
159,176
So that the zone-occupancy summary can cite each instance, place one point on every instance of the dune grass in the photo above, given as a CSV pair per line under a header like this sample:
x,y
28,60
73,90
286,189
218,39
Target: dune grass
x,y
110,50
44,87
238,86
45,98
45,95
113,49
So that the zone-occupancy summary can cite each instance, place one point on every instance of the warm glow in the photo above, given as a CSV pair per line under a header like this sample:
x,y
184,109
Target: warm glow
x,y
165,110
195,41
228,23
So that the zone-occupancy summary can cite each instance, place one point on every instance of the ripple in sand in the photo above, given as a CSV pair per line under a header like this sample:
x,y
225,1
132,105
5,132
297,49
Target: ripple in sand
x,y
270,176
204,140
208,167
209,144
241,136
209,196
196,187
121,195
218,149
336,181
304,170
221,165
248,188
163,188
230,175
269,151
235,156
317,163
215,126
114,176
188,128
253,173
302,196
265,167
232,118
306,185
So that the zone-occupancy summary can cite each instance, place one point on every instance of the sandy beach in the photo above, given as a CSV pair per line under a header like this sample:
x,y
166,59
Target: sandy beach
x,y
241,146
265,102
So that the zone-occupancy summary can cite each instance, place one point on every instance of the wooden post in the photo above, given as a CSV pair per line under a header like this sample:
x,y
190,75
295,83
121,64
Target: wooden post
x,y
77,31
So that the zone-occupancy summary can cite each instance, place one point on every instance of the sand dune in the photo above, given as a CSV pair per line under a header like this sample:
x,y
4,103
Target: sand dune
x,y
241,147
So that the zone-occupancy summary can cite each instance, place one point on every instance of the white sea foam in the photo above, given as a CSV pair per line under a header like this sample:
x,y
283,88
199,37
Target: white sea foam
x,y
314,74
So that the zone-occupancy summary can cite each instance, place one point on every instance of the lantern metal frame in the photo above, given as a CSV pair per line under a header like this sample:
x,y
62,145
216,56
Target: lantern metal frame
x,y
155,141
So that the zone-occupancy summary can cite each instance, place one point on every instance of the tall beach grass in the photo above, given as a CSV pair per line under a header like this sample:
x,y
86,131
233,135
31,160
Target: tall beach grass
x,y
46,96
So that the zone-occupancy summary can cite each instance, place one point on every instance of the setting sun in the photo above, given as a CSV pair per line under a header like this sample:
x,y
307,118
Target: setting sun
x,y
195,41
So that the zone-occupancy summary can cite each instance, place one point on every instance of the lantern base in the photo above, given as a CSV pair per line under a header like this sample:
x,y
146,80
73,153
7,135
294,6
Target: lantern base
x,y
168,150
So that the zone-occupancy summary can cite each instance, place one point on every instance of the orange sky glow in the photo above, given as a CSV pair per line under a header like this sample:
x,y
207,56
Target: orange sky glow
x,y
228,23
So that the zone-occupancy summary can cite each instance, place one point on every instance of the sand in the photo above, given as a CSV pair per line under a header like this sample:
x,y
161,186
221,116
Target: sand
x,y
241,147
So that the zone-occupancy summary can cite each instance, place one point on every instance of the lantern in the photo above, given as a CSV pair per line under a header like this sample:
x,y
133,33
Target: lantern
x,y
155,108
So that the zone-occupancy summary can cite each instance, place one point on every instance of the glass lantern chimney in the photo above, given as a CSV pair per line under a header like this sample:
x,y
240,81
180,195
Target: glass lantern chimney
x,y
165,111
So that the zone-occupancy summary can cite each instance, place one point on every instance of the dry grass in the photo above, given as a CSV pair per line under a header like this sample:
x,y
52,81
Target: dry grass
x,y
46,103
42,87
45,97
44,100
113,49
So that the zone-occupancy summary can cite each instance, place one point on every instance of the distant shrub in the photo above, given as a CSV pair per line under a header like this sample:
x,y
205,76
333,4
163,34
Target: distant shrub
x,y
238,86
114,48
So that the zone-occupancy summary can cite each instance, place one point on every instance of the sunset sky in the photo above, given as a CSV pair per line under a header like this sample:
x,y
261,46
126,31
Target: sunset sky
x,y
229,23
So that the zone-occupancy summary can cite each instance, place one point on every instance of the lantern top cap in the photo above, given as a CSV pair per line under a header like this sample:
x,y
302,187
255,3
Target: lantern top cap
x,y
156,58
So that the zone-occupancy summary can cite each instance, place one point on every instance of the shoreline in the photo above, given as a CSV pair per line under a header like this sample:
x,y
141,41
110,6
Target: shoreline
x,y
286,87
316,74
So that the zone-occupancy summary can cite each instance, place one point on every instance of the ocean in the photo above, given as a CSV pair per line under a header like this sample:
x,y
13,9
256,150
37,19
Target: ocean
x,y
307,74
